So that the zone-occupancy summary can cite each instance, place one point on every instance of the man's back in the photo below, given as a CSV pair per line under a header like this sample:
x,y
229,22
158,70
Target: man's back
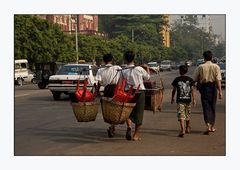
x,y
207,72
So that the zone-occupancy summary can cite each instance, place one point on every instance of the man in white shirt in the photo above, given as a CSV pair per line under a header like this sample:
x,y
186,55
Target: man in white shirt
x,y
108,77
135,76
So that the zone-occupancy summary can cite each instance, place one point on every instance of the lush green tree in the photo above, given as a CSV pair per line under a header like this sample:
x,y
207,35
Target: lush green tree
x,y
188,41
40,41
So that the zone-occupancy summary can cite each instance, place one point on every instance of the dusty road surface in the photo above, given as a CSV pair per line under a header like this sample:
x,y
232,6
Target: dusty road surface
x,y
43,126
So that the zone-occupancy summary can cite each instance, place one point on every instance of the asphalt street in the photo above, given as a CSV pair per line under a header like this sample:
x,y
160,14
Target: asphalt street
x,y
45,127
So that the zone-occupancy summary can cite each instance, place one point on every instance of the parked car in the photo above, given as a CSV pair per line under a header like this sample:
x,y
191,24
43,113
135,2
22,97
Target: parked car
x,y
154,66
188,63
65,80
44,71
174,65
223,73
200,61
22,73
165,65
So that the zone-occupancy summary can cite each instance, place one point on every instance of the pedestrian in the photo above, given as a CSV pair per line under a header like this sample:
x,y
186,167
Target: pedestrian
x,y
135,76
208,78
107,77
184,85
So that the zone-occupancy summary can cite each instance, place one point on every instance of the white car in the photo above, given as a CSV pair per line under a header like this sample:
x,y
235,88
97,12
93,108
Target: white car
x,y
65,80
154,66
223,73
22,73
165,65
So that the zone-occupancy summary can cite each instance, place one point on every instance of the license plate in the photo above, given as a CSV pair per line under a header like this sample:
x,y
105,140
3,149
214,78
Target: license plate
x,y
67,82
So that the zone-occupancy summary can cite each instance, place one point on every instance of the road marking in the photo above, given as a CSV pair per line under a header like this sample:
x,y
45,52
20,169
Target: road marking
x,y
21,95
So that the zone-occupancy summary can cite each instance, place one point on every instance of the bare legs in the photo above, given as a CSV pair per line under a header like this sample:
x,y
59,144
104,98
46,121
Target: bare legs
x,y
136,135
182,126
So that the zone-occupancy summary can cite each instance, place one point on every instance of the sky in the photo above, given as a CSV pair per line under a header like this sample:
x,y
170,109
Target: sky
x,y
218,23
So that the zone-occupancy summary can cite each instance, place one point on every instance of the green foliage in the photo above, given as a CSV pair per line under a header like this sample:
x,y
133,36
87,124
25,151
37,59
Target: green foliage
x,y
188,41
40,41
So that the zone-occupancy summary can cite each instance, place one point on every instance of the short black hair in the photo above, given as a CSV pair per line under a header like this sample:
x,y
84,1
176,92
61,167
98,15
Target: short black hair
x,y
107,58
183,69
207,55
129,56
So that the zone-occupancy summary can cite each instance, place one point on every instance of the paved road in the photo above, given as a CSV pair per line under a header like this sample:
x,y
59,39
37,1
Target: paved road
x,y
43,126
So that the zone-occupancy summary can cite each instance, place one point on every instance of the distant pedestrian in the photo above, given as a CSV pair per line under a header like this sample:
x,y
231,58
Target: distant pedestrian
x,y
208,78
135,76
108,76
184,86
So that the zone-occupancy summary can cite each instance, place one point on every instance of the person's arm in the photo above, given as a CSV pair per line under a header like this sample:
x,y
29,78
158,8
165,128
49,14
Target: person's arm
x,y
173,94
219,85
146,67
219,89
145,72
193,96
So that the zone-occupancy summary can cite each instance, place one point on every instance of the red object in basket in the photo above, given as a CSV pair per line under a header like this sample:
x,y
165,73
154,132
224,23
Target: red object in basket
x,y
84,95
120,95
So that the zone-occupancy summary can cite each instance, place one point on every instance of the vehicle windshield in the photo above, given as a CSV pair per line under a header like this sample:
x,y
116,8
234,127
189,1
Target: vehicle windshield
x,y
165,62
152,65
222,66
74,70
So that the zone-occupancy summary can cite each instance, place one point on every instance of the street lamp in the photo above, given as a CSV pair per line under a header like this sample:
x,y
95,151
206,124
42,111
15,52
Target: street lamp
x,y
76,34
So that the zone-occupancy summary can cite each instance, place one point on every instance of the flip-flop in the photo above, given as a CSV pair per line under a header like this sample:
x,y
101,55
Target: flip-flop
x,y
110,134
181,135
136,139
213,130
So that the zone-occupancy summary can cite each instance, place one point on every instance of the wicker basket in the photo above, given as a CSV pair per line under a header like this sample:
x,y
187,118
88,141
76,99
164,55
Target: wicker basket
x,y
85,111
115,112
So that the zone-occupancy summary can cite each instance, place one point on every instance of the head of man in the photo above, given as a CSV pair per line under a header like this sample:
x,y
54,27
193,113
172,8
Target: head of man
x,y
207,55
107,58
129,56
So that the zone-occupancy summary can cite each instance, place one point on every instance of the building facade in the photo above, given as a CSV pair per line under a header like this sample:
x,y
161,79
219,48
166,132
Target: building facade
x,y
85,24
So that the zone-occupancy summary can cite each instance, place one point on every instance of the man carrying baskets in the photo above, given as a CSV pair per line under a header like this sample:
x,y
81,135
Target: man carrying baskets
x,y
108,77
135,76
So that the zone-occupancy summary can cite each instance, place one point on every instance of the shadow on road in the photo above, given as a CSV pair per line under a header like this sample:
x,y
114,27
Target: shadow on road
x,y
81,135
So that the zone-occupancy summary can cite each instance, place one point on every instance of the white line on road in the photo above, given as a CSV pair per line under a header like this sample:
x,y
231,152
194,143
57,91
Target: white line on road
x,y
21,95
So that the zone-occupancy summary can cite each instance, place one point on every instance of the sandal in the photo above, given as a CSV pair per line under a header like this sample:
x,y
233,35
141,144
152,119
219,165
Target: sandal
x,y
181,135
136,139
213,130
110,133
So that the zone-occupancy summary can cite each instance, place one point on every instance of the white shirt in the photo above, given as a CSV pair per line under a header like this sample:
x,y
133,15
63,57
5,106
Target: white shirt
x,y
108,74
135,76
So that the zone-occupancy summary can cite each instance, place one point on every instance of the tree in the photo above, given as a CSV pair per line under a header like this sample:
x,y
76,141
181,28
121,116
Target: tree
x,y
188,38
40,41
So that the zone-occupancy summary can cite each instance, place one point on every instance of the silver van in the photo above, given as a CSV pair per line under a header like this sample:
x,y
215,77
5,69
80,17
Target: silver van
x,y
165,65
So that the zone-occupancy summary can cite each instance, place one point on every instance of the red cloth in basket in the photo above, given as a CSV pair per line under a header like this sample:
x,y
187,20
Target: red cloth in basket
x,y
121,96
84,95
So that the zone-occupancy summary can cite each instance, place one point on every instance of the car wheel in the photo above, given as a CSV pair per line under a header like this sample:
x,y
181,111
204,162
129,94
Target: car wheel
x,y
34,81
19,81
42,85
56,95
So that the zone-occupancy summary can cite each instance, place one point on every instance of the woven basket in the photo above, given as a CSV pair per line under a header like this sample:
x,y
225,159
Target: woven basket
x,y
115,112
85,111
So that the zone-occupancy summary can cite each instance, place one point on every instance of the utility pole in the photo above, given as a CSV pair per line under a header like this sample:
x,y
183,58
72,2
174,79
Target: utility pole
x,y
132,35
76,28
